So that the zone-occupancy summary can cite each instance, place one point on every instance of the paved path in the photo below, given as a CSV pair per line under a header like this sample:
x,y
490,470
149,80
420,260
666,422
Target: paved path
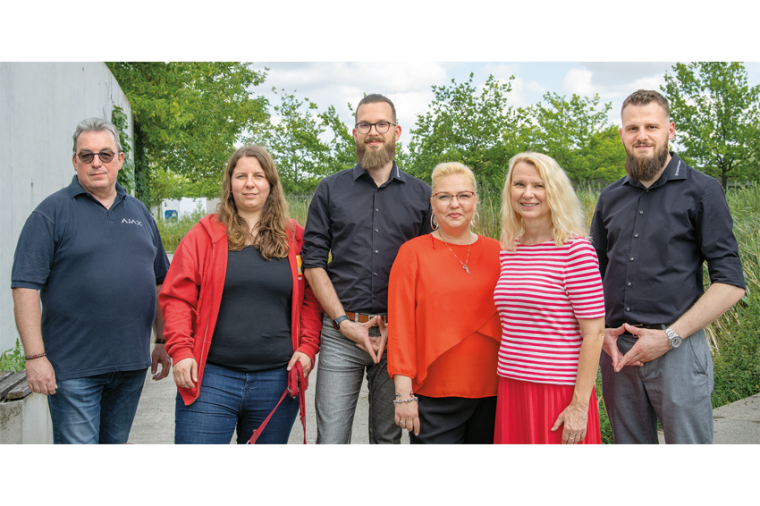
x,y
735,423
154,423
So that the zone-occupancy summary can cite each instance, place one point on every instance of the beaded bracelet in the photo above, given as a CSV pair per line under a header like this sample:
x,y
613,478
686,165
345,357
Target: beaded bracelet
x,y
160,341
400,401
32,357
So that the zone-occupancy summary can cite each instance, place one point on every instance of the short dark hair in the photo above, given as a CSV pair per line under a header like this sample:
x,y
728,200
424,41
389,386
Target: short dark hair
x,y
644,97
373,99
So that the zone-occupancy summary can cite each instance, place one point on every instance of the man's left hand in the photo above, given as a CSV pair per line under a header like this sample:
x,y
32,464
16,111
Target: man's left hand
x,y
159,355
649,345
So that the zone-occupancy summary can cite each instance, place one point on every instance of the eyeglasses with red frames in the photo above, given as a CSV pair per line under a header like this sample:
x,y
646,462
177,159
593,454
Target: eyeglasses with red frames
x,y
88,156
447,198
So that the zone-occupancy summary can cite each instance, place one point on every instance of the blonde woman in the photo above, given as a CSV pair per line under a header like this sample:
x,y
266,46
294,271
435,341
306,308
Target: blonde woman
x,y
238,312
444,328
550,299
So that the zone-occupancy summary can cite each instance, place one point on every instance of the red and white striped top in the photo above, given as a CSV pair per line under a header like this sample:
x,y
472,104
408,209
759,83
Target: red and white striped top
x,y
542,292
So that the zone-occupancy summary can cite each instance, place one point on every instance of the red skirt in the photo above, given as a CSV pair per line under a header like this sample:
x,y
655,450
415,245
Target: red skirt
x,y
526,412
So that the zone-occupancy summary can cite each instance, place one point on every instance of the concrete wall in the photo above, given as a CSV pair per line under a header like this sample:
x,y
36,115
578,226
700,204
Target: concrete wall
x,y
26,421
185,206
40,106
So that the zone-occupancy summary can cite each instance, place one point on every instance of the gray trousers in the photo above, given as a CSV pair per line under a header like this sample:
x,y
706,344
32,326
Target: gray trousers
x,y
340,373
675,388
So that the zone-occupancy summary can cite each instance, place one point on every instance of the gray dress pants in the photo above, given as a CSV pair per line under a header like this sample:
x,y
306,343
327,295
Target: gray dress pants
x,y
340,373
675,388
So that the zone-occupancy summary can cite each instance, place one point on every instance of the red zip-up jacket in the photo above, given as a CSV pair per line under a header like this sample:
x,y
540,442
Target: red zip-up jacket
x,y
192,293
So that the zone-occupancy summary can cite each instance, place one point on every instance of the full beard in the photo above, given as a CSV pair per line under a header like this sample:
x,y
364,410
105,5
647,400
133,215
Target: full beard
x,y
372,159
645,168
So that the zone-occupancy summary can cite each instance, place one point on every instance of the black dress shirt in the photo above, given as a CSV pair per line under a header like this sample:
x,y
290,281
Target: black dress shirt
x,y
652,242
364,226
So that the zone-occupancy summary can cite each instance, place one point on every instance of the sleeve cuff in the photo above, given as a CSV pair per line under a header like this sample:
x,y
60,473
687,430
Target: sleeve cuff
x,y
26,284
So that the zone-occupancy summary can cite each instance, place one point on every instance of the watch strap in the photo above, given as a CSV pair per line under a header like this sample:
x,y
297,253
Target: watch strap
x,y
336,322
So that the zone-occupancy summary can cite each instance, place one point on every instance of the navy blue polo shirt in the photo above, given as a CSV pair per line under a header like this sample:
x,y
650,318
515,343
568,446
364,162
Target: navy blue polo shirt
x,y
97,271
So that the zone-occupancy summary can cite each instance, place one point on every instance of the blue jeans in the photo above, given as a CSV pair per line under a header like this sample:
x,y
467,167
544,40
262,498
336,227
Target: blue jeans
x,y
230,399
96,409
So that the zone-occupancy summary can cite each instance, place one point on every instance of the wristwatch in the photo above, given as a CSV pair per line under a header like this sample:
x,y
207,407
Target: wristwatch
x,y
341,319
674,340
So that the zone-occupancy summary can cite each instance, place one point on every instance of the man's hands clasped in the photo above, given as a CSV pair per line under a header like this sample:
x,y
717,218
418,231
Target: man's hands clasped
x,y
359,333
650,344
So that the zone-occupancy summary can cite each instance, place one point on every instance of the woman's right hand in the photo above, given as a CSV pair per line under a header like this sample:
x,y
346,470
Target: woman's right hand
x,y
186,373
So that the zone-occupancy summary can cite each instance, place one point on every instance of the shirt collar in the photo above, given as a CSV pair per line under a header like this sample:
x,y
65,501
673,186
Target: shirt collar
x,y
674,170
358,171
75,188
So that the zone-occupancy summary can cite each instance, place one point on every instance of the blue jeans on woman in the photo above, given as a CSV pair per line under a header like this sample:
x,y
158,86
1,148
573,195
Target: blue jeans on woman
x,y
231,399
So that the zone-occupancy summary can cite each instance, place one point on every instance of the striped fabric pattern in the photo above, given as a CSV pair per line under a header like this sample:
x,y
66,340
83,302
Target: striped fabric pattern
x,y
542,292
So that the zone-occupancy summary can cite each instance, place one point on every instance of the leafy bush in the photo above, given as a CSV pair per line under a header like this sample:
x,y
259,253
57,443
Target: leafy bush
x,y
13,359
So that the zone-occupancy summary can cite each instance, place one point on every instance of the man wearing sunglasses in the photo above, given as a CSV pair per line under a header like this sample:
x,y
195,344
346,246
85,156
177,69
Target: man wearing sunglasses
x,y
361,216
92,255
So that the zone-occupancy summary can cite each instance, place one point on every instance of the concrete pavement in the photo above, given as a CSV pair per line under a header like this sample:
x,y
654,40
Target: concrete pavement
x,y
154,422
735,423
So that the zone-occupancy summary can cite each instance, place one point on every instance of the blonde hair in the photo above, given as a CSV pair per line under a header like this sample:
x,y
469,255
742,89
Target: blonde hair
x,y
272,238
565,208
452,169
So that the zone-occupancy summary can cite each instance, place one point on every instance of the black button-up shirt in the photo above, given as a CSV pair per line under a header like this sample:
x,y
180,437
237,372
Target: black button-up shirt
x,y
364,226
651,244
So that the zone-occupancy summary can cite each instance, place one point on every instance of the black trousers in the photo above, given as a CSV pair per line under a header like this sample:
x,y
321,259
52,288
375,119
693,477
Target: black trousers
x,y
455,420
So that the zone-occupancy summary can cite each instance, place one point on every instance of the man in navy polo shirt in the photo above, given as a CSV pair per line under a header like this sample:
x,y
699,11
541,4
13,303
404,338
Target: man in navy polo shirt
x,y
92,255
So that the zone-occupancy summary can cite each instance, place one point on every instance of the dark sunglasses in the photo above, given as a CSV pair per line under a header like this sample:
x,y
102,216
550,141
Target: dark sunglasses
x,y
89,156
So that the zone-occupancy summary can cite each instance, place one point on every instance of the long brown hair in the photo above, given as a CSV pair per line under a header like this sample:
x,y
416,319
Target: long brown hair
x,y
271,239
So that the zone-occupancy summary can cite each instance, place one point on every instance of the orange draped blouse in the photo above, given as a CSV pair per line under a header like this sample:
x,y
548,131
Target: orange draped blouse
x,y
444,330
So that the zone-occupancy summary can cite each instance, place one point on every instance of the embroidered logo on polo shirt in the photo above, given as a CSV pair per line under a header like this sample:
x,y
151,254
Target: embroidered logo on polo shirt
x,y
131,222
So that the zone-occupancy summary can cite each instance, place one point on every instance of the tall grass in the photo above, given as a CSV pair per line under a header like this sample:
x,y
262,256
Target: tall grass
x,y
172,231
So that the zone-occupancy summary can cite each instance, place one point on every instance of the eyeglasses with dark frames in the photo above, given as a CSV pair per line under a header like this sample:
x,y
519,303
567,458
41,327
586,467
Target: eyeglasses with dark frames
x,y
88,156
381,127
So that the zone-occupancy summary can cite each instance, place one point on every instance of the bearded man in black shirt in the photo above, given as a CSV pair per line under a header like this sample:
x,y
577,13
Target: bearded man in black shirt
x,y
361,216
652,231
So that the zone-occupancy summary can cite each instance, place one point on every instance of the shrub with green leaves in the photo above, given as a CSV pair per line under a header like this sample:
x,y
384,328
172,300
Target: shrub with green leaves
x,y
13,359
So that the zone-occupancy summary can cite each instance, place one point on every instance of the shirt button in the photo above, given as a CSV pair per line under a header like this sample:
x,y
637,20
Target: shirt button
x,y
641,212
627,309
631,257
378,252
629,283
635,235
376,230
374,274
377,209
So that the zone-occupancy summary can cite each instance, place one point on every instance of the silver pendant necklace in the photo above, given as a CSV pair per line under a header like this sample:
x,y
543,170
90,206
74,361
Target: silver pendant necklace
x,y
464,264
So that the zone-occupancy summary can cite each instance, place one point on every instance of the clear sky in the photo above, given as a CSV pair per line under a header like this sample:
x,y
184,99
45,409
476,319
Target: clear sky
x,y
409,84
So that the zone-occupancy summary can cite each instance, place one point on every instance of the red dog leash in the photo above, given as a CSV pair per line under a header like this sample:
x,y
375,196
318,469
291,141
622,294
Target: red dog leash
x,y
297,385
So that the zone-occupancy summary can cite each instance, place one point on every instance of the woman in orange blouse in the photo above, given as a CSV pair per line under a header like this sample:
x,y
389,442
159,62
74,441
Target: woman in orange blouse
x,y
444,330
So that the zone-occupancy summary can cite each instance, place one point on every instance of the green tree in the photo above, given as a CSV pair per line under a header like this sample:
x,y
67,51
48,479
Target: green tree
x,y
716,116
293,139
341,153
577,134
476,128
188,116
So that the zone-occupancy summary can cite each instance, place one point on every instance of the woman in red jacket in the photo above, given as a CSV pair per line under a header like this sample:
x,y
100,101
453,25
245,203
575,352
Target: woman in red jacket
x,y
238,312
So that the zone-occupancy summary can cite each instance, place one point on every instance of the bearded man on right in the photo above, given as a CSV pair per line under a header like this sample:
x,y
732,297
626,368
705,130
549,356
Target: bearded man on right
x,y
361,216
652,231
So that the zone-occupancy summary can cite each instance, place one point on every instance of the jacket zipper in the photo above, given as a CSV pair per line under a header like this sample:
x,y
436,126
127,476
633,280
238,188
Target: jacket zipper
x,y
205,332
